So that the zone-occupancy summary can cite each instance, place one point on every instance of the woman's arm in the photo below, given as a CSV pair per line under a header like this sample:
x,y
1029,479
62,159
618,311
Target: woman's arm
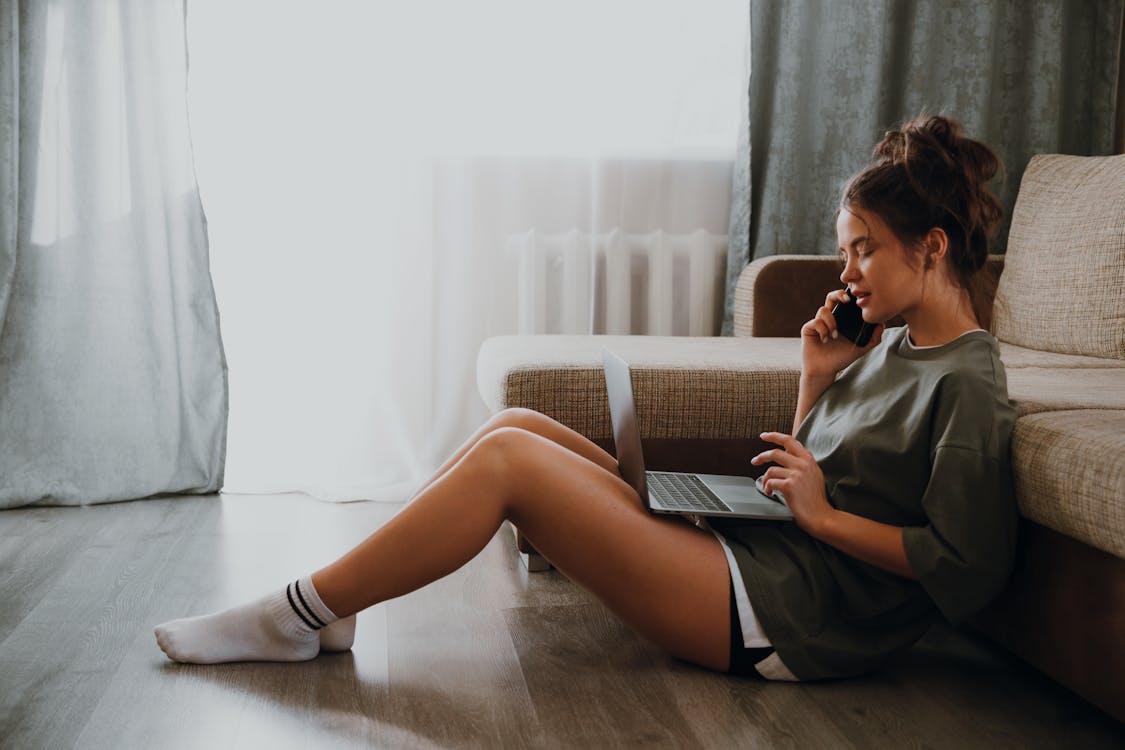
x,y
824,352
876,543
811,388
801,481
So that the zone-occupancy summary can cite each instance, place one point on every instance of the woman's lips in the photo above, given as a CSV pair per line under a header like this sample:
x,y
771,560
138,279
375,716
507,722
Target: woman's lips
x,y
861,301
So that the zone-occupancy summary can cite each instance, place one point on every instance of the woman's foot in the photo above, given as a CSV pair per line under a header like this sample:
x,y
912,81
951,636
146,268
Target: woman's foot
x,y
285,626
339,636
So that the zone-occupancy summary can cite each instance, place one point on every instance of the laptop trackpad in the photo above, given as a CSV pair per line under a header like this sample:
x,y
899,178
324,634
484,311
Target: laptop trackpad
x,y
738,489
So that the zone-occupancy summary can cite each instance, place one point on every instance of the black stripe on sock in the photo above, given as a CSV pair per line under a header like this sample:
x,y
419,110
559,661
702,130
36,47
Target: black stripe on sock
x,y
301,597
293,604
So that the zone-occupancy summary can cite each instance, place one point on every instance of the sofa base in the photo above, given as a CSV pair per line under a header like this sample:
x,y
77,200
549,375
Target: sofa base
x,y
1063,612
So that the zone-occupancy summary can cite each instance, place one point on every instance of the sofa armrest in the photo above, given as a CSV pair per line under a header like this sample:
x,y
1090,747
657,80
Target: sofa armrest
x,y
778,294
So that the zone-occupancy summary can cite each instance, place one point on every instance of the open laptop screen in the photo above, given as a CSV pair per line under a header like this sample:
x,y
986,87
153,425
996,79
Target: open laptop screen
x,y
623,415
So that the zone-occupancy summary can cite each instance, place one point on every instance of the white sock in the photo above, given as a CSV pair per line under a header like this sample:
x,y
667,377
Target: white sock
x,y
280,627
338,636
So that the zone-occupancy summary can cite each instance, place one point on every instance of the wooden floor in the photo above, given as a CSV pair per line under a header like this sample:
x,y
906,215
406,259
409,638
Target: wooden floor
x,y
491,656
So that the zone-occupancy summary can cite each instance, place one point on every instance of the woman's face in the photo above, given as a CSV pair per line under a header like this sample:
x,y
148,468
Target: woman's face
x,y
875,267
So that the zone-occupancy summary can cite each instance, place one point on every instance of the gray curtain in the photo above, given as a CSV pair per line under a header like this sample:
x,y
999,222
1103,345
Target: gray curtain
x,y
113,381
828,78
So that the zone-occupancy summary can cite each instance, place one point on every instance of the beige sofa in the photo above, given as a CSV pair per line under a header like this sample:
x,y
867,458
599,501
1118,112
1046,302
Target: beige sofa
x,y
1059,314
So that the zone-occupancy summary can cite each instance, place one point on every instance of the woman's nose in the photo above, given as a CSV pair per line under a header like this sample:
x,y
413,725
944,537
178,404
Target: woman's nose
x,y
848,272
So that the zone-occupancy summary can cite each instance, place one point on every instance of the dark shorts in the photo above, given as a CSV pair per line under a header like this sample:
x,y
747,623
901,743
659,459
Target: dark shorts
x,y
742,659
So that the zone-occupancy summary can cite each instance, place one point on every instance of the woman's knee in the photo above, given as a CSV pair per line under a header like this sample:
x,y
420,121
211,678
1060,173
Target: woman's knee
x,y
504,449
519,417
507,458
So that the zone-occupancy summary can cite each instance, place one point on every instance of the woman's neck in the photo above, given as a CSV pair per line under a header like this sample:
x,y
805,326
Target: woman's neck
x,y
940,318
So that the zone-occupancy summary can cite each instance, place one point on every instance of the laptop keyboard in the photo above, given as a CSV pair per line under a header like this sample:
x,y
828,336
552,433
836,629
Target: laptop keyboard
x,y
684,492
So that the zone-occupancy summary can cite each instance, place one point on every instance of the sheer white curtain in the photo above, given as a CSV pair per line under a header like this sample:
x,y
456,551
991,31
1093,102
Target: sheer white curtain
x,y
112,379
361,165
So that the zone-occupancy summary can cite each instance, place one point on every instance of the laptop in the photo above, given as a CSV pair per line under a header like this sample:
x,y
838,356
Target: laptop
x,y
677,493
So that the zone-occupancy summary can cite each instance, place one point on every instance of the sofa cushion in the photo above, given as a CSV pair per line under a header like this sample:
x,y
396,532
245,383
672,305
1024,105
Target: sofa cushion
x,y
1019,356
1037,389
561,376
685,387
1070,474
1063,285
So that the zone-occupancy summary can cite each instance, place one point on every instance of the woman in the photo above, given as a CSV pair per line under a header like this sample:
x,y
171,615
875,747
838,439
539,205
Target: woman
x,y
897,475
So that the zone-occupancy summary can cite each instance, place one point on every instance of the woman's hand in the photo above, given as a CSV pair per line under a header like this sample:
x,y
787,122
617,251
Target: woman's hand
x,y
797,477
824,352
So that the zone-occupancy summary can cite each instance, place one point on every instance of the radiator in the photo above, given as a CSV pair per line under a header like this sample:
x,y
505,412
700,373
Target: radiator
x,y
658,283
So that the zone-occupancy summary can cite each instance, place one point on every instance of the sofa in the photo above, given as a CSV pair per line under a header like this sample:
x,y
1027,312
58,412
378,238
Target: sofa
x,y
1056,304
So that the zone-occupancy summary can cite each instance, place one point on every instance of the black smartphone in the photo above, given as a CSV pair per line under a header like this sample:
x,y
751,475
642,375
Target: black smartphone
x,y
850,322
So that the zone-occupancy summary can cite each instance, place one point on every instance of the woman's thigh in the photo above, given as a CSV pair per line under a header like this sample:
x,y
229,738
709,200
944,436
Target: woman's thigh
x,y
662,575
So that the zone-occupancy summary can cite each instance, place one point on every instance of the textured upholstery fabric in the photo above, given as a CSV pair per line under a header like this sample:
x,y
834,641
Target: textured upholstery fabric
x,y
1040,389
712,388
1019,356
1063,287
1070,474
721,388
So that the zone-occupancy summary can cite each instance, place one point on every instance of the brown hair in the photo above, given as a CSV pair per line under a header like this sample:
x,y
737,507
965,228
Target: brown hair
x,y
927,174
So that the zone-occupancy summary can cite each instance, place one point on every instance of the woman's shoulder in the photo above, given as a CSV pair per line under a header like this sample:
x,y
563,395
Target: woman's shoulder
x,y
971,357
971,403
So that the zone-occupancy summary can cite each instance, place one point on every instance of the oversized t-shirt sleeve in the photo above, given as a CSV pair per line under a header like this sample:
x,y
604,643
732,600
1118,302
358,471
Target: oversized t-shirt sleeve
x,y
964,554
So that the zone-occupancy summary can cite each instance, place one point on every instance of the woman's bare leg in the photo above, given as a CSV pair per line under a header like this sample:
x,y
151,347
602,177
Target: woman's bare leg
x,y
540,424
340,635
665,578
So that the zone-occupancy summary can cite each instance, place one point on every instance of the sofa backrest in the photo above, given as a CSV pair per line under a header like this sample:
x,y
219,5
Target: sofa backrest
x,y
1063,285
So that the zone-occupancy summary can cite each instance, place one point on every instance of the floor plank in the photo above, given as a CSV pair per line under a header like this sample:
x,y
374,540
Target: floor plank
x,y
491,656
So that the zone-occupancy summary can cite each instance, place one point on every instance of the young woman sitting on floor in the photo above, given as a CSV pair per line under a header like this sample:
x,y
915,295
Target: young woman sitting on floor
x,y
897,474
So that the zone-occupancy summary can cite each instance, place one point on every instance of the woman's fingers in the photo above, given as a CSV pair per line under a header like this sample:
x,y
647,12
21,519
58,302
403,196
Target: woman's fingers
x,y
774,476
776,472
775,455
824,323
778,437
790,461
812,328
828,321
788,442
818,327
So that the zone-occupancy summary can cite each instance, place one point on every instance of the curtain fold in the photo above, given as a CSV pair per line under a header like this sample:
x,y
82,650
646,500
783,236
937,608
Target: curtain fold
x,y
112,371
9,148
830,78
738,229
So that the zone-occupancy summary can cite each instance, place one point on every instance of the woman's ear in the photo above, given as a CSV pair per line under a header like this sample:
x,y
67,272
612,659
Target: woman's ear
x,y
937,244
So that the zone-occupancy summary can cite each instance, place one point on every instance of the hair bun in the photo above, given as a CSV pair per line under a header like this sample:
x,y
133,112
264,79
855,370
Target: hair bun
x,y
932,149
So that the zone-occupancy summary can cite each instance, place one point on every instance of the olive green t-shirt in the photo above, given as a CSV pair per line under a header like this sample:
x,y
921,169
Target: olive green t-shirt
x,y
918,438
